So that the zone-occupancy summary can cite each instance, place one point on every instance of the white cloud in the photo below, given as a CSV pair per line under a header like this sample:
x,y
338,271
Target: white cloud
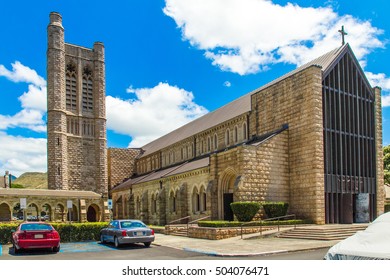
x,y
35,98
21,73
382,81
227,84
386,100
33,102
26,118
152,113
379,80
246,36
19,154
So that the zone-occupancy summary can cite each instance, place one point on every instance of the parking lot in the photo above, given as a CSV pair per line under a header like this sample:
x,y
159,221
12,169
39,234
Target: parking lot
x,y
96,251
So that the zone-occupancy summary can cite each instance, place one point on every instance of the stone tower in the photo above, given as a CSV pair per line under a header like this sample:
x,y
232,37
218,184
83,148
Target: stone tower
x,y
76,128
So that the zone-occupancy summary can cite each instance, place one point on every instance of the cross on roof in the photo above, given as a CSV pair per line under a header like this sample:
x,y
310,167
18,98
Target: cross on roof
x,y
343,33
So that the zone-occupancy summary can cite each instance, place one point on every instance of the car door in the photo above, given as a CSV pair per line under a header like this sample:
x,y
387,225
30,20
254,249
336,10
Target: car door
x,y
115,229
110,232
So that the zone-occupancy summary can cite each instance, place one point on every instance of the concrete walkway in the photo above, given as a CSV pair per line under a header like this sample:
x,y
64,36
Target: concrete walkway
x,y
236,246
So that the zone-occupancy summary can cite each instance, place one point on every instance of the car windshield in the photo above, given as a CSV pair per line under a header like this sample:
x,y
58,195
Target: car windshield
x,y
36,227
132,224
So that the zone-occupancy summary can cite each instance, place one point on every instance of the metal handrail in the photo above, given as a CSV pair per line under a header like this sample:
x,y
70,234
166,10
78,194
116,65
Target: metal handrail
x,y
269,219
200,219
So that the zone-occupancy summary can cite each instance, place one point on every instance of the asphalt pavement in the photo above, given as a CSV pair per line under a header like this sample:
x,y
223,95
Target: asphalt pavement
x,y
250,245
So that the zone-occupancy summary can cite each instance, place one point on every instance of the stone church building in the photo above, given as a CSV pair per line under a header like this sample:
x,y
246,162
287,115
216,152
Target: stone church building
x,y
312,138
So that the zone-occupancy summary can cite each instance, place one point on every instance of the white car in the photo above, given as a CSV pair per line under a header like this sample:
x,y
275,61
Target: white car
x,y
373,243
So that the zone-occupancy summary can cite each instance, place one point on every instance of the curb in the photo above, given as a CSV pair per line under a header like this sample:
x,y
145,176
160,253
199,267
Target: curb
x,y
211,253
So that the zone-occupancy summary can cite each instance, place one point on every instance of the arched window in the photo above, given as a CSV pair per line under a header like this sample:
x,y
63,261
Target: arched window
x,y
215,142
227,137
195,200
87,101
71,87
154,204
208,144
138,206
244,131
202,198
172,202
235,134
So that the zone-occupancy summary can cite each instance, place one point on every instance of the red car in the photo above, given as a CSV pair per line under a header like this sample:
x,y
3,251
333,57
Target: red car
x,y
31,235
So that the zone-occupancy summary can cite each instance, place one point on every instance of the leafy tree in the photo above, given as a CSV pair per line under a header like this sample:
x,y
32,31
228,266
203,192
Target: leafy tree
x,y
386,163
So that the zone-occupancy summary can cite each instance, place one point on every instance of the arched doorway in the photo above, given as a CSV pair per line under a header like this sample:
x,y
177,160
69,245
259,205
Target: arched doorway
x,y
18,212
5,213
226,192
93,213
32,212
46,212
73,214
59,213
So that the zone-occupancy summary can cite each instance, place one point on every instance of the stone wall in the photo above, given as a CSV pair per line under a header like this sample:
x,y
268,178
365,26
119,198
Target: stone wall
x,y
138,202
297,101
380,184
266,171
121,164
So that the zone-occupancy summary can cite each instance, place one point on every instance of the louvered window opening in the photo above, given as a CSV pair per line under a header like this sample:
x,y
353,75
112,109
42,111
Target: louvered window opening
x,y
349,139
71,93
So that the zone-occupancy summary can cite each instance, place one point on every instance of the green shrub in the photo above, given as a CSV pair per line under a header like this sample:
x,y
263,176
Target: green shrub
x,y
5,232
245,211
275,209
73,232
387,207
17,186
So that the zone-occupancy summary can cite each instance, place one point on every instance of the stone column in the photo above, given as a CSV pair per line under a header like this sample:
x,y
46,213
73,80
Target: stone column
x,y
380,189
56,100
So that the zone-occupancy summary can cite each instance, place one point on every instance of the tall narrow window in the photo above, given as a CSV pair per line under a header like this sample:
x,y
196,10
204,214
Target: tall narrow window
x,y
235,134
244,131
215,142
227,138
70,88
87,101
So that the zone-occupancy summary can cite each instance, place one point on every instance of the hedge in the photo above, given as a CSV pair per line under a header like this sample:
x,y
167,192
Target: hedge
x,y
73,232
217,224
245,211
275,209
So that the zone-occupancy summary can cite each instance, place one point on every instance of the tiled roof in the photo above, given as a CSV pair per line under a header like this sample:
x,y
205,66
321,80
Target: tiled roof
x,y
232,109
49,193
164,173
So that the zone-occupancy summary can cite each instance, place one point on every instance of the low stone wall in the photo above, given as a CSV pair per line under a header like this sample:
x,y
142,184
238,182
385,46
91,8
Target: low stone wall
x,y
220,233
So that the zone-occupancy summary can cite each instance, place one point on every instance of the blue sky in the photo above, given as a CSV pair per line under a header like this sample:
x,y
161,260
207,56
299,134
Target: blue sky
x,y
168,62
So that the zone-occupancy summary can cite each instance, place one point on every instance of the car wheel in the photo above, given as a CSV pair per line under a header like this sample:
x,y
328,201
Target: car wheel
x,y
102,239
147,244
16,250
116,242
56,249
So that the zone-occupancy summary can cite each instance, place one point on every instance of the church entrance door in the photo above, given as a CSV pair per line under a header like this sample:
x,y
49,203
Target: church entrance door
x,y
228,213
91,214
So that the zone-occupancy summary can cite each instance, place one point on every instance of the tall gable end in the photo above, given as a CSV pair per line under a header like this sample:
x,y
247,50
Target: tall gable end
x,y
349,140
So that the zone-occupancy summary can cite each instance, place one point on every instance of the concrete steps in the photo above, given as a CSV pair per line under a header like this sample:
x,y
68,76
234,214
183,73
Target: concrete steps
x,y
177,230
324,232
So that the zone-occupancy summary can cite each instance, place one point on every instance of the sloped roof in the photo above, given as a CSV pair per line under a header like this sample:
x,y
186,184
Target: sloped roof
x,y
49,193
167,172
232,109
